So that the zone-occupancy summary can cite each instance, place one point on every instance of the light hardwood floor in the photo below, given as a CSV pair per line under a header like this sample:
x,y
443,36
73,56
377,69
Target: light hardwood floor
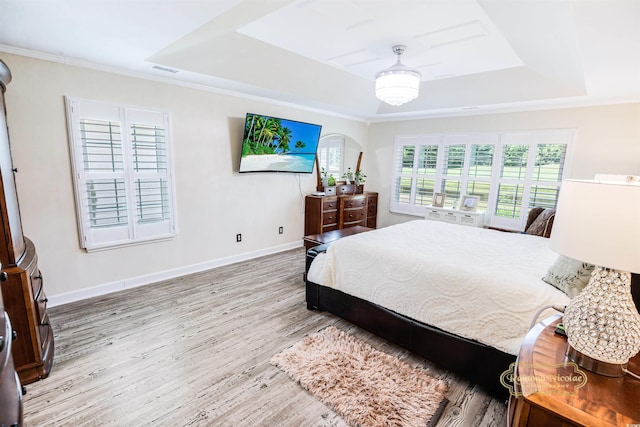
x,y
195,351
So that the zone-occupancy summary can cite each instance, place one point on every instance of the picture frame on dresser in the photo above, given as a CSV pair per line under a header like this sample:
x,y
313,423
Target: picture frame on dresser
x,y
438,200
469,203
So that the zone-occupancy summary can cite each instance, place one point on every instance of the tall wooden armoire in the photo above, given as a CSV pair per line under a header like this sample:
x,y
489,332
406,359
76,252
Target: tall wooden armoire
x,y
23,292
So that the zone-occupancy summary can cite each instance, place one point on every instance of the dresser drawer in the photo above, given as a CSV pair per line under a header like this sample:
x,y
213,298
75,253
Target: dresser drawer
x,y
329,227
45,330
355,202
467,219
372,201
329,218
36,282
354,215
434,214
41,307
330,203
450,216
345,189
353,224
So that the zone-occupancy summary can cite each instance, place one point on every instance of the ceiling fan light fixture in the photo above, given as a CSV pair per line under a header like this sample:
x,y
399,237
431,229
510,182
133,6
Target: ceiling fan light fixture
x,y
398,84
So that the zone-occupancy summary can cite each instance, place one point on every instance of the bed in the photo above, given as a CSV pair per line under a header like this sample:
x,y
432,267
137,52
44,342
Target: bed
x,y
462,297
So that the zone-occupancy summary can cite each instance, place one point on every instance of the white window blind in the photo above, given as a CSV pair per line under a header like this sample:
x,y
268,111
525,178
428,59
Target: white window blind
x,y
510,172
122,174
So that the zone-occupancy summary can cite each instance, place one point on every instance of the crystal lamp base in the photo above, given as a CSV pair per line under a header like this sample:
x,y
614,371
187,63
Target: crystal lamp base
x,y
594,365
603,324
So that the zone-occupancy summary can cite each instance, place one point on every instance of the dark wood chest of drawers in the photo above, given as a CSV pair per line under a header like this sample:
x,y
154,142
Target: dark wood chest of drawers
x,y
26,303
328,213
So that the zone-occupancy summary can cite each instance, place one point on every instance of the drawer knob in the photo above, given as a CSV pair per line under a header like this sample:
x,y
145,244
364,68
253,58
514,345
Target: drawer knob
x,y
14,335
4,276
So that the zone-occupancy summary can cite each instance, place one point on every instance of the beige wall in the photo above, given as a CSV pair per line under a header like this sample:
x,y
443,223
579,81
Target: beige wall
x,y
607,141
214,201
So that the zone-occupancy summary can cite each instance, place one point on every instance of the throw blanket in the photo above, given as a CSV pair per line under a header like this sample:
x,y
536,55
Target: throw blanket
x,y
480,284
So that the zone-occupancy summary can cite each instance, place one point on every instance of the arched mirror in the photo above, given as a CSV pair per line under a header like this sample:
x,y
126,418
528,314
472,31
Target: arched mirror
x,y
338,152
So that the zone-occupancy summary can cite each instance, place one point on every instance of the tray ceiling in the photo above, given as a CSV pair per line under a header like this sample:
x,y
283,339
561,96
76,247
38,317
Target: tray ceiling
x,y
474,56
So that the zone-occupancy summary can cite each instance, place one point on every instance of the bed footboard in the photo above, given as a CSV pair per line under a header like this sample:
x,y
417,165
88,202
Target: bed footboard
x,y
481,364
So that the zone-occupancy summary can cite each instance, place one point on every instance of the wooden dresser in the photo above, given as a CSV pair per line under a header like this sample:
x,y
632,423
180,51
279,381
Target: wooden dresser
x,y
23,292
328,213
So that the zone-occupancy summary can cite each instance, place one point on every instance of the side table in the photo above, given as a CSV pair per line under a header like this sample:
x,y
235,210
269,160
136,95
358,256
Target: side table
x,y
313,240
329,236
550,390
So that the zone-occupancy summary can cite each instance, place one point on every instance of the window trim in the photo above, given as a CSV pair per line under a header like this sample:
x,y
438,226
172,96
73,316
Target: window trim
x,y
93,238
500,139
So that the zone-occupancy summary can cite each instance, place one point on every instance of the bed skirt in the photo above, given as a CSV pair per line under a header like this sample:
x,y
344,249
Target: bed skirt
x,y
477,362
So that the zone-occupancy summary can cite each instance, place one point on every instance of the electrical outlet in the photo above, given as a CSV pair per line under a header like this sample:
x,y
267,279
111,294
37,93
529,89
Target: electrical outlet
x,y
280,230
238,237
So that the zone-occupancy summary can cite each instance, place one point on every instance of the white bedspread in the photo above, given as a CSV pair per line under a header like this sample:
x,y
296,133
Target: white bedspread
x,y
480,284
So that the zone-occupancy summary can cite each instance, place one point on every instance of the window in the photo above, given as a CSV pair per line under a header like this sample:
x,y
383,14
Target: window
x,y
509,172
331,155
122,174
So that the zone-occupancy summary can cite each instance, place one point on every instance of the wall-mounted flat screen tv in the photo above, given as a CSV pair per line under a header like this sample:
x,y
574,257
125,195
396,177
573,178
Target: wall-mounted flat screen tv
x,y
272,144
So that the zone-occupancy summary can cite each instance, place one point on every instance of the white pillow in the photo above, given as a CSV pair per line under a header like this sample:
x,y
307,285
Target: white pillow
x,y
569,275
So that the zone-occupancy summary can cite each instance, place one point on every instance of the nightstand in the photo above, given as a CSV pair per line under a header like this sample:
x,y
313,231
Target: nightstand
x,y
552,391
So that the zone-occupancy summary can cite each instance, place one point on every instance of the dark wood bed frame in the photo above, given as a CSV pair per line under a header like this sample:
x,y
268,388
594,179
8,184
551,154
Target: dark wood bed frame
x,y
481,364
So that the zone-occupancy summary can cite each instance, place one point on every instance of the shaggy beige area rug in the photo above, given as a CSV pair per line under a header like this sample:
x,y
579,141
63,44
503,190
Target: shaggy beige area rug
x,y
365,386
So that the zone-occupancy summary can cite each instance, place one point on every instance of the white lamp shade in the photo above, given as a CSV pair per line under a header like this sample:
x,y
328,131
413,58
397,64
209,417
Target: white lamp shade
x,y
599,223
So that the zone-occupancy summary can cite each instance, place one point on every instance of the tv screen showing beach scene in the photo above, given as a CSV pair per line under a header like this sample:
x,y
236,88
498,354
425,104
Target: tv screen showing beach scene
x,y
272,144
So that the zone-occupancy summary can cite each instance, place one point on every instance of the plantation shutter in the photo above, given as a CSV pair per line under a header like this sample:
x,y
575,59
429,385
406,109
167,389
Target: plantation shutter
x,y
531,173
426,174
513,175
415,173
150,173
509,172
121,174
454,163
548,171
480,173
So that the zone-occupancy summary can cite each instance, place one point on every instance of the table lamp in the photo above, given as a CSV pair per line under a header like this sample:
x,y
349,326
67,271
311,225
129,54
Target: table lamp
x,y
599,222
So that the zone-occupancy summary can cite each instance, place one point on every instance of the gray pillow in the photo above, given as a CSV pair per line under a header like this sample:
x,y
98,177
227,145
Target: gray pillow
x,y
569,275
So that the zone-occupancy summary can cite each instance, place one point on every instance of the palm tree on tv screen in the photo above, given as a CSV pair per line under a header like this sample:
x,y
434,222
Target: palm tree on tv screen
x,y
267,135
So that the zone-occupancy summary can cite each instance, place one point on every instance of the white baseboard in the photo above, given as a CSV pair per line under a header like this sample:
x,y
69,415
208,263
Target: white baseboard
x,y
148,279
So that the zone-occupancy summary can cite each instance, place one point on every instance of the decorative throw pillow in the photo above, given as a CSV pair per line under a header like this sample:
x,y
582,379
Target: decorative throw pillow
x,y
569,275
541,226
